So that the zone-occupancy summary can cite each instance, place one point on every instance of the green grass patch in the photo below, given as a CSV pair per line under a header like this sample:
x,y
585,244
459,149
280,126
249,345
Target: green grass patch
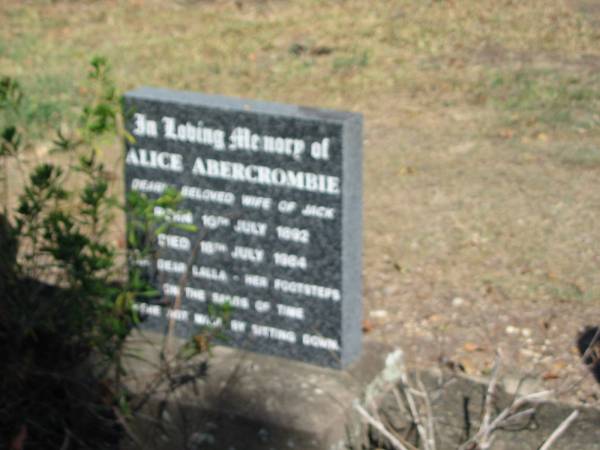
x,y
49,103
547,97
585,157
356,60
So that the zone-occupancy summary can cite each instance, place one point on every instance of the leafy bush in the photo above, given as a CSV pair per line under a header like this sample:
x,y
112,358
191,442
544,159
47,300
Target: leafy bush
x,y
66,308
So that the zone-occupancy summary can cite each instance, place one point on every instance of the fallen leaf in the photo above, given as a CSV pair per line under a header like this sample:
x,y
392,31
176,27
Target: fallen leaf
x,y
367,326
472,347
550,376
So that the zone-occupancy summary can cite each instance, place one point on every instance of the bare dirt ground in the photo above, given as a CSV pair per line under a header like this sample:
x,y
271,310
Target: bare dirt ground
x,y
470,247
482,145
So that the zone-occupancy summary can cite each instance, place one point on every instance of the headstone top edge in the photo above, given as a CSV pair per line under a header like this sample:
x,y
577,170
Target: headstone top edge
x,y
242,105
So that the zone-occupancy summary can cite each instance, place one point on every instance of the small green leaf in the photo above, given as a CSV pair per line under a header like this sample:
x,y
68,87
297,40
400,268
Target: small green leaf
x,y
10,142
186,227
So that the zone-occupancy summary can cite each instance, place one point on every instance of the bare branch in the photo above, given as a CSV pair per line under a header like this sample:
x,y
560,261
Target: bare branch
x,y
484,437
489,398
379,427
399,401
560,430
414,410
536,397
519,415
429,415
126,427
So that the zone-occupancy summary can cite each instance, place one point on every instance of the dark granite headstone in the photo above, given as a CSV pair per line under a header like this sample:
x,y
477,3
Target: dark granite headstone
x,y
276,192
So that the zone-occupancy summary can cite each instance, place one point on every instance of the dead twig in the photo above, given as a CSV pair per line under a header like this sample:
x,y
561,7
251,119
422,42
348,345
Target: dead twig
x,y
417,404
484,437
489,405
126,427
520,415
565,424
509,412
428,415
414,410
381,428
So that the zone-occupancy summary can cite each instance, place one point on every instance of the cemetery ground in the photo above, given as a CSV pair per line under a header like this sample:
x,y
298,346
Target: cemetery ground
x,y
481,151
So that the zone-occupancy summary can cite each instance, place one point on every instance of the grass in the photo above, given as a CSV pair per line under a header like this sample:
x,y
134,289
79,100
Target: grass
x,y
353,61
582,157
550,97
410,47
45,107
481,133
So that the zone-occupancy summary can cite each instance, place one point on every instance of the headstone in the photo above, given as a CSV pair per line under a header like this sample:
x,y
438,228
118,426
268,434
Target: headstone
x,y
276,193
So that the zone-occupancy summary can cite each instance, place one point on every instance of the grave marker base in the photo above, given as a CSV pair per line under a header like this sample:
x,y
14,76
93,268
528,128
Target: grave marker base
x,y
252,401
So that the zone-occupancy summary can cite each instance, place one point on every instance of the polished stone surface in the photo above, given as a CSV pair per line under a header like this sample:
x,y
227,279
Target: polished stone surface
x,y
276,193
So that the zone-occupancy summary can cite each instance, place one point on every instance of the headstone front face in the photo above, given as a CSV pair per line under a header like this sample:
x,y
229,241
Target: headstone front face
x,y
276,192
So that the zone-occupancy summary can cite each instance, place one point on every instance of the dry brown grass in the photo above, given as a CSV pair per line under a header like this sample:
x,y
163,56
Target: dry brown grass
x,y
482,148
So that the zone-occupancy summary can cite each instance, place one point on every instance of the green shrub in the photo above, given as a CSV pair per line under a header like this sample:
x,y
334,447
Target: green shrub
x,y
66,308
